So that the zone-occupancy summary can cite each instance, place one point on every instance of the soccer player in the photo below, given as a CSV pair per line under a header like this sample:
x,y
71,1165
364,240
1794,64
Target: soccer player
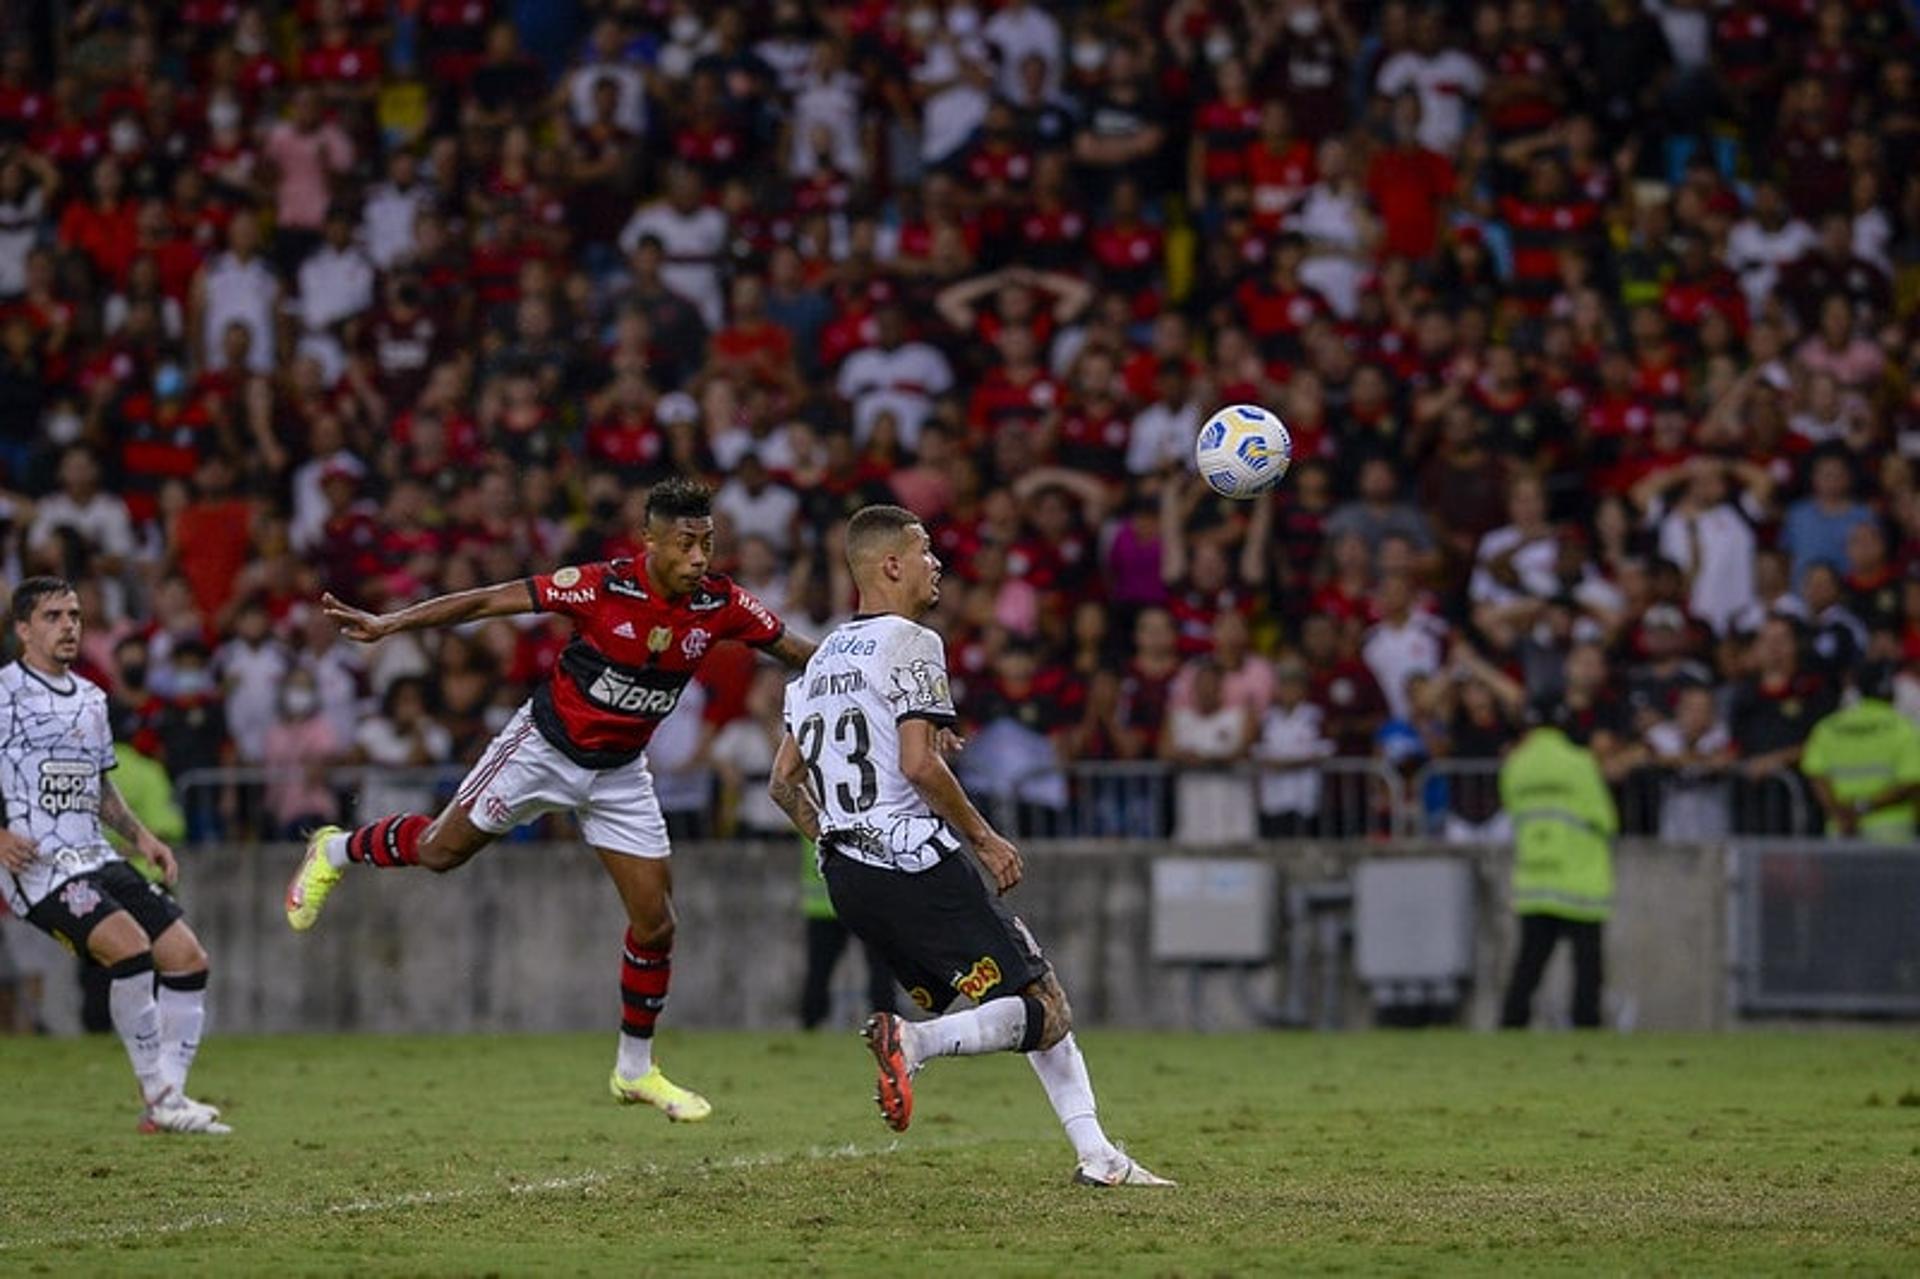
x,y
642,628
861,772
65,879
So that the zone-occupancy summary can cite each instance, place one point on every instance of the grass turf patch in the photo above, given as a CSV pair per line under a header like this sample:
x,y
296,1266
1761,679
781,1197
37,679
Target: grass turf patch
x,y
1372,1153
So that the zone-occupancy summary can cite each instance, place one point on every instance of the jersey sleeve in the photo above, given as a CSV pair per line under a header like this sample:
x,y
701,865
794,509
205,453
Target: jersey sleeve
x,y
750,621
916,678
571,591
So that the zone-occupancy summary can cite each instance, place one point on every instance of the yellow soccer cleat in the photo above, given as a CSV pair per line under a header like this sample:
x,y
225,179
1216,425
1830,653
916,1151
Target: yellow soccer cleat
x,y
655,1089
307,890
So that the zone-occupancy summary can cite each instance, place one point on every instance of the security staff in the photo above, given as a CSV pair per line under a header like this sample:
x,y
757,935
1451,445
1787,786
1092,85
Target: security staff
x,y
1864,762
1564,822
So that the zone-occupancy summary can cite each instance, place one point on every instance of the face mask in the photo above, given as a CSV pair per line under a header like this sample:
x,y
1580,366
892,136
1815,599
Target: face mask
x,y
124,137
1303,21
1089,54
64,425
1219,47
192,683
248,42
300,702
685,29
921,22
168,381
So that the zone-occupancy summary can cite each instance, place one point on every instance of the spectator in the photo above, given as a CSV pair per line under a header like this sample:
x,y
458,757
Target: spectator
x,y
893,375
1773,710
1015,761
692,237
1402,644
298,750
1292,740
1693,745
1446,79
306,153
235,289
1709,532
1212,803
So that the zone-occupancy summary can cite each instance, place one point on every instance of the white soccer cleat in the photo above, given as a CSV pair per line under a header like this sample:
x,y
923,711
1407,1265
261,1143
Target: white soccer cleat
x,y
177,1112
1123,1170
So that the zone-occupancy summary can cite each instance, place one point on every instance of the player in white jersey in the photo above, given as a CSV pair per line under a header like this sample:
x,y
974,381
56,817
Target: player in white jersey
x,y
62,876
861,772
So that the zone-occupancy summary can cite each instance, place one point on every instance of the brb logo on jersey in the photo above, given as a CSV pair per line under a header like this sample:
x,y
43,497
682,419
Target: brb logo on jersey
x,y
617,692
66,786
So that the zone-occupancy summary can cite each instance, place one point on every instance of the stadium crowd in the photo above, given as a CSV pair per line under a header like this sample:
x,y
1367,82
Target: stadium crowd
x,y
1592,323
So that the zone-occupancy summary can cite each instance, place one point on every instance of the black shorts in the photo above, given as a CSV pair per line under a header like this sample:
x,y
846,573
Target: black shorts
x,y
72,911
940,930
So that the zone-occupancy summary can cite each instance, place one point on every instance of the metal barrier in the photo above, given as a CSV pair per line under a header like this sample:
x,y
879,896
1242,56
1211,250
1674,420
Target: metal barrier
x,y
1824,926
1344,798
1151,799
1460,798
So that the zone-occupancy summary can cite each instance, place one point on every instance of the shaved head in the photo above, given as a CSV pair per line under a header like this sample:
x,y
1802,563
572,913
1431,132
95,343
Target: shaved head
x,y
876,531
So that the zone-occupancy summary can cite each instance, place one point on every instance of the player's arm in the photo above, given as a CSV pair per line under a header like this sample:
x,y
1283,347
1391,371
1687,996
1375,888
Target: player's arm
x,y
790,650
925,766
787,785
118,818
506,599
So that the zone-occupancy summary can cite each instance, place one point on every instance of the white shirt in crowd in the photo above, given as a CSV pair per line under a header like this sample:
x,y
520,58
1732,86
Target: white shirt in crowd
x,y
1162,434
832,103
1446,81
1292,735
387,223
382,742
1018,32
1715,550
101,521
905,380
693,243
1333,223
744,746
955,109
1395,653
1533,564
630,109
1757,254
19,230
679,783
1211,807
252,675
335,285
243,292
768,514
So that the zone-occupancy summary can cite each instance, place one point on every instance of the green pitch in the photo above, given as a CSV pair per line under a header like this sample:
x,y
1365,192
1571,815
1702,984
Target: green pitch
x,y
1363,1154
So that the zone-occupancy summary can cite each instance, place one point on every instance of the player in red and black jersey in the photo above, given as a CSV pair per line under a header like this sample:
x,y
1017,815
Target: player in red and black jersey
x,y
642,628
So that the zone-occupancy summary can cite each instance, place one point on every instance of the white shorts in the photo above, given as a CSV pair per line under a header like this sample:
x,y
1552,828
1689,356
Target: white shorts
x,y
523,775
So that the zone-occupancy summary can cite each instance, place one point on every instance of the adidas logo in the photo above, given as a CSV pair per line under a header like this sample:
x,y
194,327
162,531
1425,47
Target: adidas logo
x,y
624,630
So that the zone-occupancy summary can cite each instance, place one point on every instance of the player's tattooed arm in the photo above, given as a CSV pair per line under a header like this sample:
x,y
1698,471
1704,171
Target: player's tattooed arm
x,y
790,650
118,818
787,785
504,599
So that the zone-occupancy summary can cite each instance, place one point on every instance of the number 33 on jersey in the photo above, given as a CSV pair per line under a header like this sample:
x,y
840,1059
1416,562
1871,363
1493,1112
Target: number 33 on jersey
x,y
844,712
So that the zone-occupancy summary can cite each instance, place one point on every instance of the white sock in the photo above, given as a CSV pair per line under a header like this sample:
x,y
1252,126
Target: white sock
x,y
1063,1073
636,1056
335,848
996,1026
183,1017
137,1019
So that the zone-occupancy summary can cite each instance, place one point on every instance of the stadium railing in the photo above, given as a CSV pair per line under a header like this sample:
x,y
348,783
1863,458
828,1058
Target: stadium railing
x,y
1458,798
1340,798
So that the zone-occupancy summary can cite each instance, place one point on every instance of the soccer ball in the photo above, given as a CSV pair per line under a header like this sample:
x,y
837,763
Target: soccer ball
x,y
1243,451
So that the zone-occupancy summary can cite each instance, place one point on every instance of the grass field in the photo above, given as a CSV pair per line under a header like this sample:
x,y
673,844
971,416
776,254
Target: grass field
x,y
1363,1154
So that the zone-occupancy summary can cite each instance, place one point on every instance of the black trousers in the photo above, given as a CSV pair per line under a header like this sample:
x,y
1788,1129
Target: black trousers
x,y
1539,934
826,938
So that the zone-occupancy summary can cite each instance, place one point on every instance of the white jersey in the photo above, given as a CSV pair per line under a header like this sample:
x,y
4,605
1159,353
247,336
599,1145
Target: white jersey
x,y
54,744
844,712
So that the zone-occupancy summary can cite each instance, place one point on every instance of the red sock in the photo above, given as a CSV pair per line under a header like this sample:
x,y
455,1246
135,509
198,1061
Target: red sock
x,y
391,841
644,976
